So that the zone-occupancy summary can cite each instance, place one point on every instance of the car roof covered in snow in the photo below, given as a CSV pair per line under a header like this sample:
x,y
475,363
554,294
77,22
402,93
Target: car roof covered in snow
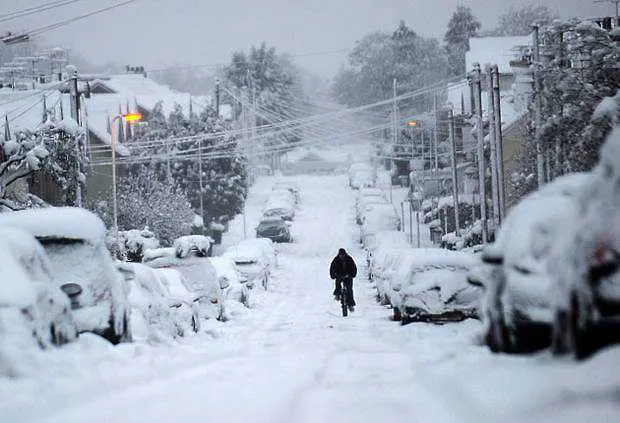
x,y
57,223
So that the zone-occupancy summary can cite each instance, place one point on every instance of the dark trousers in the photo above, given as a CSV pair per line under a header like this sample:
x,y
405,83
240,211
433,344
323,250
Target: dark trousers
x,y
348,283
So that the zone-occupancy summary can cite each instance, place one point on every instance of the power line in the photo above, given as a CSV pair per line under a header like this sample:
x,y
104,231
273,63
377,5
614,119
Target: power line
x,y
35,9
60,24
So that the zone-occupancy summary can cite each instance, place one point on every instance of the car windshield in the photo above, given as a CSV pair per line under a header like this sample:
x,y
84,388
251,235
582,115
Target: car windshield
x,y
77,261
270,226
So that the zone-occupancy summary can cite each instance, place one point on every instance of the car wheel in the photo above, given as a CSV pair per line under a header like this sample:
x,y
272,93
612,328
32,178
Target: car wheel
x,y
396,315
115,338
59,336
497,335
580,342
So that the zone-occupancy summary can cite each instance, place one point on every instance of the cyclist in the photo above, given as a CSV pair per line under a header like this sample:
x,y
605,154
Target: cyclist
x,y
343,270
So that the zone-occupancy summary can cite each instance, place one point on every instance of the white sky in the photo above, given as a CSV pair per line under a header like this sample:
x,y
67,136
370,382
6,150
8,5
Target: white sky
x,y
157,33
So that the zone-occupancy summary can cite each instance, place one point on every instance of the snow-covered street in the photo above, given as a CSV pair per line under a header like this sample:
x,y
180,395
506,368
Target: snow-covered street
x,y
293,358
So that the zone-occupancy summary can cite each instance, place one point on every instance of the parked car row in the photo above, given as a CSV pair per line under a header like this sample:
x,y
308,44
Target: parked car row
x,y
420,285
374,213
60,280
279,211
551,278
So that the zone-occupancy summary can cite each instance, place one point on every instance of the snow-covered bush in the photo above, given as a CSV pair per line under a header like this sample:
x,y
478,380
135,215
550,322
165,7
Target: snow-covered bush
x,y
56,150
146,201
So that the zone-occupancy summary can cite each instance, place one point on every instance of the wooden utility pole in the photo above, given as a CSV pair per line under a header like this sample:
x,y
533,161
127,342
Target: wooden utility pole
x,y
217,97
499,141
481,160
494,156
540,160
455,185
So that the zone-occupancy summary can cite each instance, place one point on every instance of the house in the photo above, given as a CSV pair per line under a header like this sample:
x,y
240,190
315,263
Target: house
x,y
108,97
510,54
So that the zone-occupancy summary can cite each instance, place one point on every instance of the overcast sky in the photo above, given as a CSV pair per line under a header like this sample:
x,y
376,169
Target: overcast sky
x,y
157,33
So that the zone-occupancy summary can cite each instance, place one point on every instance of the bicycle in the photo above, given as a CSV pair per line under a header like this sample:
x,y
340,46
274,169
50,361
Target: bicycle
x,y
344,294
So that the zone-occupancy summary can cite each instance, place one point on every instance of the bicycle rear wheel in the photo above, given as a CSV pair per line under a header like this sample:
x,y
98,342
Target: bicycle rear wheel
x,y
343,301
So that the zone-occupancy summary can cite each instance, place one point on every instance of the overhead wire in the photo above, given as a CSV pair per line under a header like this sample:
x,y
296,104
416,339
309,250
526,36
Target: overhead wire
x,y
46,28
36,9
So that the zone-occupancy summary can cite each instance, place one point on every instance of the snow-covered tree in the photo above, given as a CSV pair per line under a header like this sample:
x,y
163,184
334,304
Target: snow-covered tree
x,y
581,69
146,201
520,21
224,183
55,149
272,79
462,26
379,58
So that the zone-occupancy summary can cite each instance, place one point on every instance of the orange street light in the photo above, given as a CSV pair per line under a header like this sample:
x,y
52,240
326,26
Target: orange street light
x,y
132,117
412,123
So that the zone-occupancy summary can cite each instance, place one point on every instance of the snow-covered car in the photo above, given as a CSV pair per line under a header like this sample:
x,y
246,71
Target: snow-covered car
x,y
388,266
290,186
275,228
136,241
362,179
253,260
282,194
361,175
155,314
199,276
278,207
380,217
268,248
441,294
198,245
236,286
404,283
517,309
585,261
381,241
364,204
74,242
369,192
34,312
184,303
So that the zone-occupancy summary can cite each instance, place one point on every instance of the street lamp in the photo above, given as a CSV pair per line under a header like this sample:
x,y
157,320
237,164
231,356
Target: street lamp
x,y
127,117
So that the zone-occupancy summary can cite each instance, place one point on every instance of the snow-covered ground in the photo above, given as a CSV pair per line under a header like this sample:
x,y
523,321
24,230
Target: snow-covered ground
x,y
293,358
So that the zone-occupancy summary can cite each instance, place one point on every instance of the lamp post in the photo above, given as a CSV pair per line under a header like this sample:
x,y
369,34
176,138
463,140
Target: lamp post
x,y
127,117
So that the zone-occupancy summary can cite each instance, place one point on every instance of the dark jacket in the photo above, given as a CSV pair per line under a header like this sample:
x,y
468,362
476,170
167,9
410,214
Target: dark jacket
x,y
342,269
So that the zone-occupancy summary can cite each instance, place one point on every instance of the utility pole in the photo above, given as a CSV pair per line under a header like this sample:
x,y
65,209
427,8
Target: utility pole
x,y
491,117
394,129
74,97
499,141
201,185
540,171
455,185
481,160
217,97
435,133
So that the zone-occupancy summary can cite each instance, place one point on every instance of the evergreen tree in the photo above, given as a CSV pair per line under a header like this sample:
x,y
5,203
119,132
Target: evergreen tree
x,y
462,26
520,21
379,58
